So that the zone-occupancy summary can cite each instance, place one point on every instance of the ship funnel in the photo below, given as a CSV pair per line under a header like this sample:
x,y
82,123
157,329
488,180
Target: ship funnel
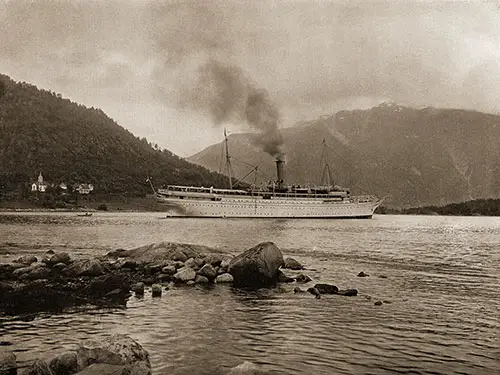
x,y
280,169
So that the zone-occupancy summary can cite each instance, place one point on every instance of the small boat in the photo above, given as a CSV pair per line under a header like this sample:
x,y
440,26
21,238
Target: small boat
x,y
85,214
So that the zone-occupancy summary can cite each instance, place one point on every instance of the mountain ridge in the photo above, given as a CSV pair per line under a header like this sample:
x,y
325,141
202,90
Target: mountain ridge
x,y
414,156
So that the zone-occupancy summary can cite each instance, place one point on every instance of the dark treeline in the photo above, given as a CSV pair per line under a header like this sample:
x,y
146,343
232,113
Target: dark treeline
x,y
42,132
477,207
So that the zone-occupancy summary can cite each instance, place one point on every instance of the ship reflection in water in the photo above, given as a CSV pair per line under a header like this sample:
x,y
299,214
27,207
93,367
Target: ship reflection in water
x,y
440,286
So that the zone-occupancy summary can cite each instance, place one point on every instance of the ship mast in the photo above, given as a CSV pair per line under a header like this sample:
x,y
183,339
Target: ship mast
x,y
326,169
228,161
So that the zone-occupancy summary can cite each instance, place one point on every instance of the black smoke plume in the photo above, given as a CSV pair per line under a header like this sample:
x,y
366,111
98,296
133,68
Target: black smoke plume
x,y
228,95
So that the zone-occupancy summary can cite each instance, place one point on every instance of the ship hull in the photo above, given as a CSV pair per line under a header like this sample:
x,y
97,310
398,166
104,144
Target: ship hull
x,y
256,207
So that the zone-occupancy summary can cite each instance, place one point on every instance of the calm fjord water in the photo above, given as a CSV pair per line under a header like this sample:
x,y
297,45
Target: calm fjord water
x,y
442,314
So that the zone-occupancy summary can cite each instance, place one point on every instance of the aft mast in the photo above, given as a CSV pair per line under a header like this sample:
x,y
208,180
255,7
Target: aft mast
x,y
228,162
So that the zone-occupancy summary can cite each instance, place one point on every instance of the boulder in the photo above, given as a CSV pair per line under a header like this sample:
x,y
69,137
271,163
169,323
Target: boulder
x,y
208,271
37,273
362,274
201,280
184,275
224,278
26,260
64,364
257,267
138,368
292,264
8,364
214,259
117,349
326,288
86,267
39,367
59,258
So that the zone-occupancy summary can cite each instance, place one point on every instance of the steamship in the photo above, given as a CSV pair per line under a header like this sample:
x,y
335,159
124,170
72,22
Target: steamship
x,y
276,200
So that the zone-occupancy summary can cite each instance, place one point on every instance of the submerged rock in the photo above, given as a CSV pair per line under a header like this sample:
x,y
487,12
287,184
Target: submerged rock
x,y
348,292
257,267
292,264
326,288
315,292
362,274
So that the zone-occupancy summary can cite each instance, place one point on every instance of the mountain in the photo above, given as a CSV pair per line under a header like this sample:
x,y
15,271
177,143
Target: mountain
x,y
42,132
413,157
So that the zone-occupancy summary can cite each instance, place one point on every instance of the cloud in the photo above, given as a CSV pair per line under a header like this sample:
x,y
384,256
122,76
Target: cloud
x,y
310,57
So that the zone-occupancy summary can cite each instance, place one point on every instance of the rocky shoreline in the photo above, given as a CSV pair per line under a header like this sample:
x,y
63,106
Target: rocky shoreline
x,y
55,281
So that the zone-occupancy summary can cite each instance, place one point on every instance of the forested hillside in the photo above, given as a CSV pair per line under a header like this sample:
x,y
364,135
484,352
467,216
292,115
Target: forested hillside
x,y
42,132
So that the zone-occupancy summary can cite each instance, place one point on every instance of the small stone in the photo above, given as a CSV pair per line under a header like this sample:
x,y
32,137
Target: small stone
x,y
214,259
297,290
179,256
190,282
138,289
169,270
378,303
50,252
156,290
362,274
224,278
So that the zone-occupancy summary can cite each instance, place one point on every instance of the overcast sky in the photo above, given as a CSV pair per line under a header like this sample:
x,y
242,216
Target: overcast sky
x,y
178,72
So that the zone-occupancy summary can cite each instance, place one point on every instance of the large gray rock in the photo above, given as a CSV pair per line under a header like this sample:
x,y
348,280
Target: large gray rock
x,y
257,267
114,350
165,252
8,364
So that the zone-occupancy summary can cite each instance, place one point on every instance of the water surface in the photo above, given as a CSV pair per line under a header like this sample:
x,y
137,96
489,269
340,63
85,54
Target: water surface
x,y
440,283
